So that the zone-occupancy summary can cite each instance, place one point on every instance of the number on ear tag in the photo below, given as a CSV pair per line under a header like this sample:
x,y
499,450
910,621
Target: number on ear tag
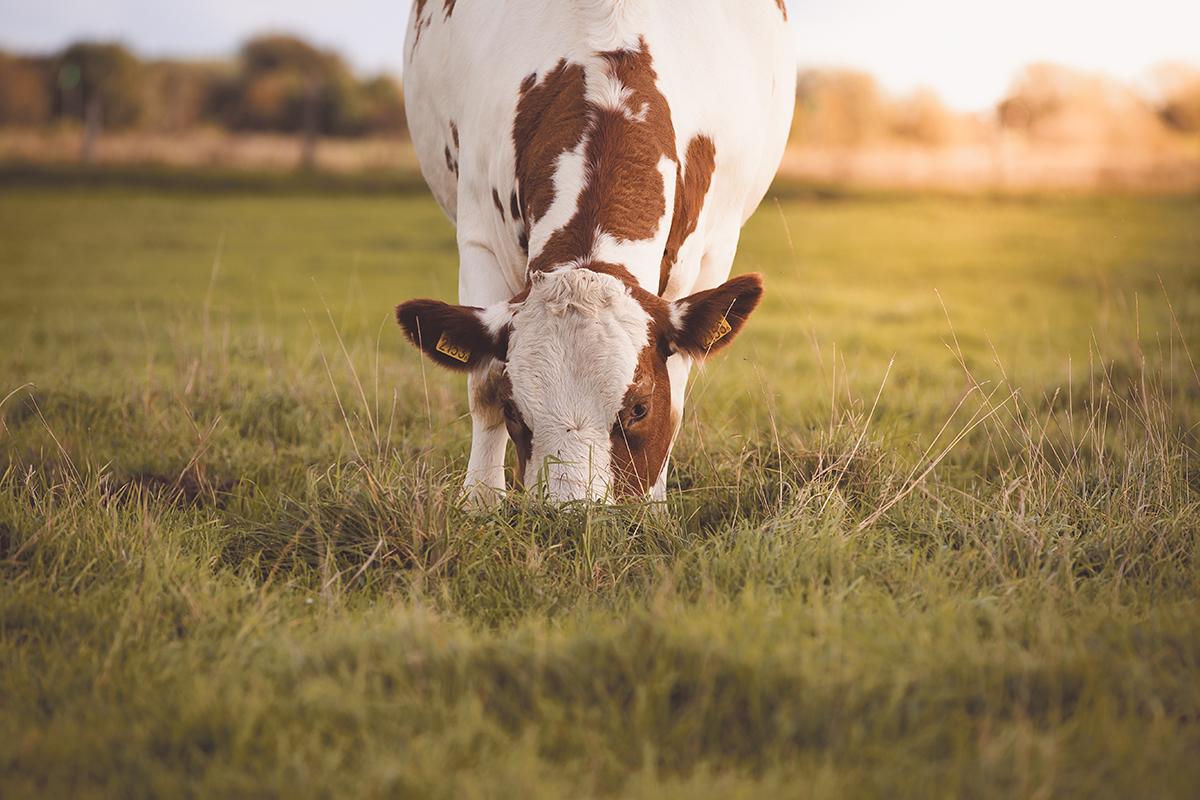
x,y
723,327
444,346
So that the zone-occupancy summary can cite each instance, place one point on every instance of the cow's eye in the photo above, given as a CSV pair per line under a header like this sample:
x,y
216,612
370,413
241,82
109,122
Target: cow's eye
x,y
510,412
638,411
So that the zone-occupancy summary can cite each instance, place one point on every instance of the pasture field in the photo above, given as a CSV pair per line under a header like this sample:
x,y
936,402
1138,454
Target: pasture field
x,y
932,527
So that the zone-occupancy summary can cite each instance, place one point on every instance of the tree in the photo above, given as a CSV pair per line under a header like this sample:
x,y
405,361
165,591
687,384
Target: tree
x,y
921,118
181,95
279,75
1052,103
384,106
1179,90
838,108
107,74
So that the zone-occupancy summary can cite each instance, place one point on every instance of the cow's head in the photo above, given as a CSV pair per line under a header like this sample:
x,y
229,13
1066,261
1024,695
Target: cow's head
x,y
584,389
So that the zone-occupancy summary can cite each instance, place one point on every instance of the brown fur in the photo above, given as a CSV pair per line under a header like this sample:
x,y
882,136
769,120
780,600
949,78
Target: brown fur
x,y
422,23
639,447
518,431
694,177
550,121
624,194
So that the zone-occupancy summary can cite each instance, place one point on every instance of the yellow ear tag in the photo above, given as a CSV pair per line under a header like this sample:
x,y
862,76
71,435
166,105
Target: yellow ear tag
x,y
723,327
444,346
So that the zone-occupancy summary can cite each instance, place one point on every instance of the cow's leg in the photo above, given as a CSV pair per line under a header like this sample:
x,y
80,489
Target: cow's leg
x,y
485,469
481,283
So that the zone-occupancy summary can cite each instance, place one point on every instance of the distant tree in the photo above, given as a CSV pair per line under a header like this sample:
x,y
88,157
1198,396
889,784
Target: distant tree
x,y
1052,103
181,95
838,108
1039,92
921,118
105,73
384,106
1179,89
25,97
278,75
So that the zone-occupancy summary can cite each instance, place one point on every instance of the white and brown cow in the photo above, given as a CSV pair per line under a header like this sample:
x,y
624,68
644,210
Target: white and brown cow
x,y
598,158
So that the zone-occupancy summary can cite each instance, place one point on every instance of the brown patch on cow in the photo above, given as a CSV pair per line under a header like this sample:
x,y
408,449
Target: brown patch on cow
x,y
496,202
448,7
624,195
642,433
451,164
782,9
454,135
550,120
514,206
523,241
691,186
624,153
520,433
420,24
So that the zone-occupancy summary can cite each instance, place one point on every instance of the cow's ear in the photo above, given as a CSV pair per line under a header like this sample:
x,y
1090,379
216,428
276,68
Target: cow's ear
x,y
455,337
707,321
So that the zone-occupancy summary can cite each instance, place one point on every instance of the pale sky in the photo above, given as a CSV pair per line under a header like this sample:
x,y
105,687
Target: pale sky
x,y
968,51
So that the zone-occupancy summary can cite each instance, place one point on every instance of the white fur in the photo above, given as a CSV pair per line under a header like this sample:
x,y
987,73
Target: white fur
x,y
676,312
606,91
497,317
611,24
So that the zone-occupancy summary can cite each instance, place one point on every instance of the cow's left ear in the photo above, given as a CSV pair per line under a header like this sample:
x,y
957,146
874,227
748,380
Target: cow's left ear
x,y
707,321
456,337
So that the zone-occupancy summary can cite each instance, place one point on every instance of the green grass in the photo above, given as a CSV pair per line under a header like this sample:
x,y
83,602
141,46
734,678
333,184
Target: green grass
x,y
932,524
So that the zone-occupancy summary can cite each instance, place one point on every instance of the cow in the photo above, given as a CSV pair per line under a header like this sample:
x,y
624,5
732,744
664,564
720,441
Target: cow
x,y
598,159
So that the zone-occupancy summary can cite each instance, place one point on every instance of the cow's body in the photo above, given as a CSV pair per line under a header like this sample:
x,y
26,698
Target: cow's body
x,y
598,158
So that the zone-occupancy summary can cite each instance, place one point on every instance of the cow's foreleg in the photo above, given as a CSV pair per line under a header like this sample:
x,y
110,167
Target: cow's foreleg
x,y
485,470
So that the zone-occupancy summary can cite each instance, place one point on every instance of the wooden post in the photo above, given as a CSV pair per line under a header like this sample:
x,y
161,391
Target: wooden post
x,y
92,114
312,121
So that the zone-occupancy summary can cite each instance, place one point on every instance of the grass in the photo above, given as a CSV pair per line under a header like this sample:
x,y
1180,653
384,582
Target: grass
x,y
931,528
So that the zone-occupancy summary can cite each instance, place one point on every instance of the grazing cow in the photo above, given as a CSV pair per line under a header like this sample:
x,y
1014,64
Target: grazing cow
x,y
598,158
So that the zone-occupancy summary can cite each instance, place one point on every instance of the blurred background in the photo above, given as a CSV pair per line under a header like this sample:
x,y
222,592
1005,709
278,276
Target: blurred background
x,y
932,93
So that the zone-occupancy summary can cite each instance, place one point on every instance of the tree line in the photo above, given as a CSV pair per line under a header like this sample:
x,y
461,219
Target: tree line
x,y
283,84
277,83
1046,103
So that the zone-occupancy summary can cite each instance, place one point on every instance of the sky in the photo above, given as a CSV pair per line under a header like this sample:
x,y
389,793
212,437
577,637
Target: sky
x,y
968,51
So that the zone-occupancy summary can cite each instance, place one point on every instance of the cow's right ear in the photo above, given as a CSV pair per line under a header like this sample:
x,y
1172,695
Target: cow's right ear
x,y
455,337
